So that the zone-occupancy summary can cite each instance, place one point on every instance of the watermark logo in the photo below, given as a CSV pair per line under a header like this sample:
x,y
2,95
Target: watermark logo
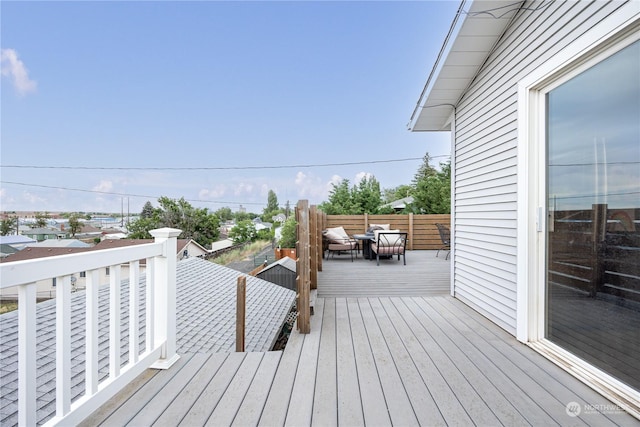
x,y
573,409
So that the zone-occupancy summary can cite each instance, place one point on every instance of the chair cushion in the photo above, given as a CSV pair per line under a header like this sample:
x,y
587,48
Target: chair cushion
x,y
391,241
336,234
382,226
342,246
388,250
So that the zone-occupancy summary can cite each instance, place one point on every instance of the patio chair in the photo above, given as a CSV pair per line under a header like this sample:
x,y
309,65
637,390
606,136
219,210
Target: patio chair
x,y
389,243
445,237
336,240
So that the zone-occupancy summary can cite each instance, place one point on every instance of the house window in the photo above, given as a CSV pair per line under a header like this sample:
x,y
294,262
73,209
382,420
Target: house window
x,y
53,282
106,272
592,281
83,274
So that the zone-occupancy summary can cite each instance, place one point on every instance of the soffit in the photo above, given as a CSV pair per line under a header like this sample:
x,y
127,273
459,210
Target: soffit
x,y
473,37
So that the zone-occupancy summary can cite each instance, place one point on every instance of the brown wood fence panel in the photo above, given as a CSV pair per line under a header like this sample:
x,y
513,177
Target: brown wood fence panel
x,y
423,234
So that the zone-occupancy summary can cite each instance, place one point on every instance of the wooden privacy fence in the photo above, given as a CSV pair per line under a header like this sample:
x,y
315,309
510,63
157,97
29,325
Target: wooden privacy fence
x,y
422,235
421,229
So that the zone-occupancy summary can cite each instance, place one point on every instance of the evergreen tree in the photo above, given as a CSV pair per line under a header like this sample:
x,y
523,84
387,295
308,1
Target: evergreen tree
x,y
433,193
424,171
147,210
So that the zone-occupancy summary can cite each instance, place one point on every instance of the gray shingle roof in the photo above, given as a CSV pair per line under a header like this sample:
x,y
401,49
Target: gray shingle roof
x,y
205,323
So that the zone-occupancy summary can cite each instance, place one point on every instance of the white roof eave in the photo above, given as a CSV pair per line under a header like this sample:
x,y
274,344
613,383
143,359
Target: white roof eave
x,y
474,33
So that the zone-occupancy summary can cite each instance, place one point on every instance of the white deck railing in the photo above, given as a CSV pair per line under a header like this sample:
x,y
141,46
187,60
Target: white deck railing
x,y
160,329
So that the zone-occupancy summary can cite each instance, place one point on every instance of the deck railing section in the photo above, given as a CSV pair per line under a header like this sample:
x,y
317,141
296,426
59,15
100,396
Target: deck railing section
x,y
160,329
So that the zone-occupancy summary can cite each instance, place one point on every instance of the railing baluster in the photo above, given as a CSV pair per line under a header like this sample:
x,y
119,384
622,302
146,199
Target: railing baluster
x,y
63,345
150,305
134,310
114,321
27,355
91,335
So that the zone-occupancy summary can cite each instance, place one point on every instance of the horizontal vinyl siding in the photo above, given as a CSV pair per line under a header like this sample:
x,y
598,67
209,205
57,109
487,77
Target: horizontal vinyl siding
x,y
485,185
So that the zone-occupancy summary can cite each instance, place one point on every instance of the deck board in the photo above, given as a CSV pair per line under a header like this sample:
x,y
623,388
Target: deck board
x,y
181,405
383,359
374,405
251,408
207,401
301,411
325,407
395,394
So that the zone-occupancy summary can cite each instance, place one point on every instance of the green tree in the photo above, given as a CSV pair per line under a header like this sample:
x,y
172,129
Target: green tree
x,y
139,228
8,225
272,208
288,234
339,202
147,210
424,171
42,219
224,214
243,231
74,224
366,196
433,193
196,223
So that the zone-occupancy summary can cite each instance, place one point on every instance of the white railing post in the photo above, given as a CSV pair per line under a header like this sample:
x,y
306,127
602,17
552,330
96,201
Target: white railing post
x,y
27,355
63,345
165,296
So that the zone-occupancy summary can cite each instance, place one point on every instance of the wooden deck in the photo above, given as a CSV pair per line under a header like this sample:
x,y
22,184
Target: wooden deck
x,y
386,360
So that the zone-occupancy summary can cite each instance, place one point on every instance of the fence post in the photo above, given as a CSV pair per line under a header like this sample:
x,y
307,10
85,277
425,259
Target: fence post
x,y
313,247
241,298
303,284
165,296
411,231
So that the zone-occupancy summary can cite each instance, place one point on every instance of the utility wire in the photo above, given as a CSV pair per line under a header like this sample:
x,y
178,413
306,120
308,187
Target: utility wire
x,y
125,194
190,168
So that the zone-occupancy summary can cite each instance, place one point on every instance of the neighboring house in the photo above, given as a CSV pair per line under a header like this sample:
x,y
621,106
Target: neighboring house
x,y
205,323
399,205
16,241
41,234
60,243
282,273
542,100
221,244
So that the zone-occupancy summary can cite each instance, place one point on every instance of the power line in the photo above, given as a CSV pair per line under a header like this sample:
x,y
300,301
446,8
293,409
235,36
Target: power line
x,y
125,194
191,168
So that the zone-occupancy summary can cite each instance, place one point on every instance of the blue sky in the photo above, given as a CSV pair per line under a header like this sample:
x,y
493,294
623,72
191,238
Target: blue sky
x,y
208,84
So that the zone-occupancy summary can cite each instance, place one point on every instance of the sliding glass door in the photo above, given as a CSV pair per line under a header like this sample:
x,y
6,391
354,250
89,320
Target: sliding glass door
x,y
593,206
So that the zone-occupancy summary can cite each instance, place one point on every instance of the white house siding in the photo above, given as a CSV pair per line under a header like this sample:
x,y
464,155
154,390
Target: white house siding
x,y
485,185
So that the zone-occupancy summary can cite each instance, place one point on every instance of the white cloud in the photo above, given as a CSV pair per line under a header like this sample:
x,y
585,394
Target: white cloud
x,y
243,188
310,187
14,68
217,191
104,185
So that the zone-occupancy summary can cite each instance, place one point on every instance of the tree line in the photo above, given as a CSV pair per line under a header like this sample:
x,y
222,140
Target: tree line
x,y
429,189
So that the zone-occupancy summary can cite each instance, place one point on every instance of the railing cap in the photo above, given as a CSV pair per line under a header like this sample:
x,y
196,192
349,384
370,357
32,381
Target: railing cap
x,y
165,232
